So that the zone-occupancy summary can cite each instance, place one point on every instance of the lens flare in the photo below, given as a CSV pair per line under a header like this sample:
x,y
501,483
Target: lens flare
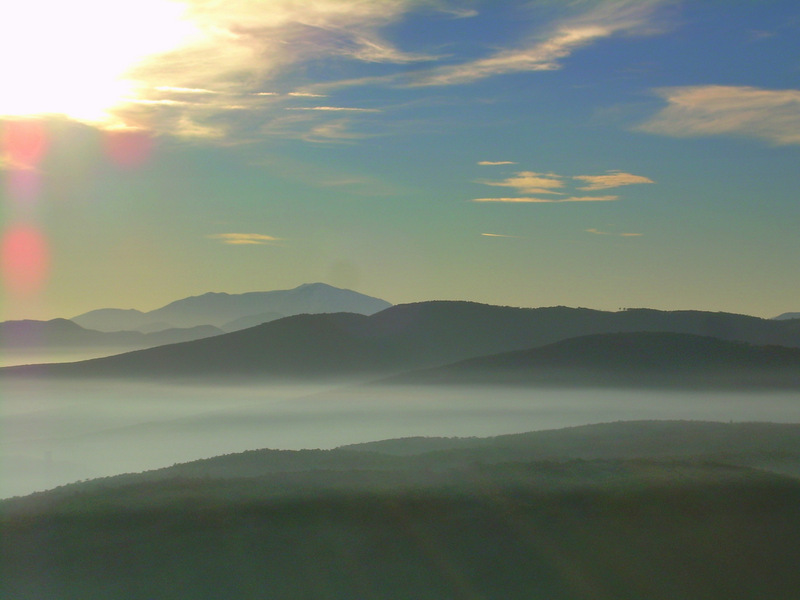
x,y
24,143
24,184
24,257
128,149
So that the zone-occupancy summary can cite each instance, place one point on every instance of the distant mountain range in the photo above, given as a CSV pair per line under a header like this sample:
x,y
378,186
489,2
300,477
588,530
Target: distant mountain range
x,y
63,340
433,334
231,312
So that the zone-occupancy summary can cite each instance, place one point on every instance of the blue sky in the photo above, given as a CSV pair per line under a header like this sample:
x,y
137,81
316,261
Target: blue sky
x,y
607,153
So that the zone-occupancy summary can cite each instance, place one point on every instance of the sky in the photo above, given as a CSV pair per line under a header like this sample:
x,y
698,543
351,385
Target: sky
x,y
596,153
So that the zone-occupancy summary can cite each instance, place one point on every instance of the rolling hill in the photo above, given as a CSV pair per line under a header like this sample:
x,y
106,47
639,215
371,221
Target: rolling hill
x,y
621,359
412,336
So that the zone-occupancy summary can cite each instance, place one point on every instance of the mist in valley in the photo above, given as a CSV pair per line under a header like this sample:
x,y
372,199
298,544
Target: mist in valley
x,y
57,432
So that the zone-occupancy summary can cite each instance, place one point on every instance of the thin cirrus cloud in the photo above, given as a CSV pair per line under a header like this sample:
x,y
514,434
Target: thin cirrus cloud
x,y
266,40
334,108
600,232
205,76
529,182
492,163
707,110
611,180
213,55
613,17
532,200
531,185
244,238
306,95
184,90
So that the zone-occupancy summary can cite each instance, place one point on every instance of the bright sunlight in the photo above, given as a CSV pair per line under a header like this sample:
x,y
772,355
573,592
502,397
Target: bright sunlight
x,y
75,58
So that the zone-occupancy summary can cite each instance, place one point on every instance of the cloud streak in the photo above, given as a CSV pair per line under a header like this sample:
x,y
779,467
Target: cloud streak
x,y
611,180
708,110
492,163
609,18
244,238
224,54
334,108
529,182
532,200
599,232
530,185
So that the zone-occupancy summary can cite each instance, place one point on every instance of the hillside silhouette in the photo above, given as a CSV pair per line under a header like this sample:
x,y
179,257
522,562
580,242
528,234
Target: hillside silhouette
x,y
406,337
639,358
27,339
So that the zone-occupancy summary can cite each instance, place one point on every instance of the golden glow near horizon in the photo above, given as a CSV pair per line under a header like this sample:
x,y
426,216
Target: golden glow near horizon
x,y
74,58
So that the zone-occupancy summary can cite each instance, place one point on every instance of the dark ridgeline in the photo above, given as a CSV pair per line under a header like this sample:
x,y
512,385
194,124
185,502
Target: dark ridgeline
x,y
789,315
674,511
642,359
432,334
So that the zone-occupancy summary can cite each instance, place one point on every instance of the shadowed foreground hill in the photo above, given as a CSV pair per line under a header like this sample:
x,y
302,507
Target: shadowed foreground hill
x,y
771,446
351,524
408,337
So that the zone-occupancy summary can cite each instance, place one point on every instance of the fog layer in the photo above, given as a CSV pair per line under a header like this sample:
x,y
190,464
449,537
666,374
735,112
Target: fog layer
x,y
55,433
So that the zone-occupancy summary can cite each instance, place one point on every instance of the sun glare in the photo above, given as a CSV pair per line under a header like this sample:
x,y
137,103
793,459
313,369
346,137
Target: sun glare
x,y
75,58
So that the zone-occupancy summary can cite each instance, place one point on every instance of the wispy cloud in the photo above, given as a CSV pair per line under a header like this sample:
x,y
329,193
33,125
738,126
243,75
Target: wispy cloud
x,y
184,90
161,101
334,108
237,47
220,55
462,13
528,182
307,95
498,235
244,238
694,111
492,163
530,186
531,200
608,18
599,232
611,180
338,131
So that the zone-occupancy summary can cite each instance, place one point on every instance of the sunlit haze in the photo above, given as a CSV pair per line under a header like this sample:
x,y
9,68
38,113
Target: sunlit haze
x,y
602,153
73,58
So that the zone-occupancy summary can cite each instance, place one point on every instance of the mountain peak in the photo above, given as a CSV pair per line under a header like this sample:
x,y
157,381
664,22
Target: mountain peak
x,y
316,284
